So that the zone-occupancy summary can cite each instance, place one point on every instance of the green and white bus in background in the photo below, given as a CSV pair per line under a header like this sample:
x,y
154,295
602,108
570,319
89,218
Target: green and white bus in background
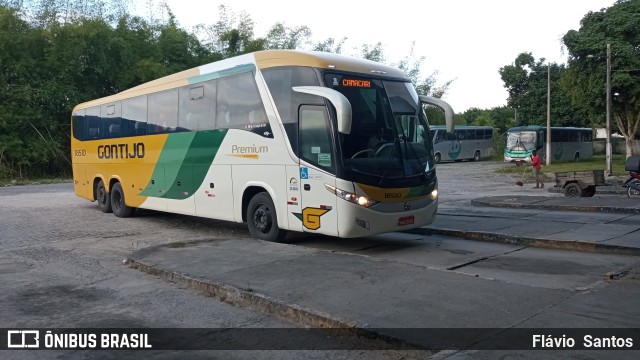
x,y
567,143
465,143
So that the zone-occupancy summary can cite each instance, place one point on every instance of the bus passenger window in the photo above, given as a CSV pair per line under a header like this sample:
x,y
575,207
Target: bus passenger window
x,y
237,97
163,112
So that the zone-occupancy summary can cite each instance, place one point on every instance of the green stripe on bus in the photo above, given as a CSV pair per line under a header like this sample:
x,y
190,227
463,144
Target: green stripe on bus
x,y
185,160
196,164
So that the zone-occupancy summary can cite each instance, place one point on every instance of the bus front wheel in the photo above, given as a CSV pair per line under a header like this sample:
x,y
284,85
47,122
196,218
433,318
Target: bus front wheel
x,y
120,208
262,219
437,158
477,156
103,197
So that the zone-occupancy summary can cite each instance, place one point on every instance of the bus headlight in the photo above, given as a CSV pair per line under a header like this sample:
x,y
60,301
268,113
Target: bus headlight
x,y
356,199
434,195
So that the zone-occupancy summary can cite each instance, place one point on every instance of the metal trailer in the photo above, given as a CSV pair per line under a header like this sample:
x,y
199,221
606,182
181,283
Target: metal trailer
x,y
579,183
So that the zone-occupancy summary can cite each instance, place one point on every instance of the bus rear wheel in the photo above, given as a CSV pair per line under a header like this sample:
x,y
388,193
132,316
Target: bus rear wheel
x,y
120,208
103,197
262,219
437,158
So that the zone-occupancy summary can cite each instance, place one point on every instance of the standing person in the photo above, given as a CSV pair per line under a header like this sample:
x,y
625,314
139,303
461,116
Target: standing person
x,y
535,164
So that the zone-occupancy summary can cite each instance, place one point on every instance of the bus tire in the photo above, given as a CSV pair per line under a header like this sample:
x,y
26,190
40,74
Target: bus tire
x,y
103,197
477,156
437,158
572,190
120,208
262,219
576,156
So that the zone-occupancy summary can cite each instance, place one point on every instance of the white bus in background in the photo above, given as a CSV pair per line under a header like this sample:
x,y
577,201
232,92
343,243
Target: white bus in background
x,y
567,143
465,143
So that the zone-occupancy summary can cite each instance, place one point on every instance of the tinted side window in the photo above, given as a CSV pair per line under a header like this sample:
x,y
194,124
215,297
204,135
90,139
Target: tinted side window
x,y
134,116
77,119
111,115
163,112
238,102
197,106
92,124
315,138
280,80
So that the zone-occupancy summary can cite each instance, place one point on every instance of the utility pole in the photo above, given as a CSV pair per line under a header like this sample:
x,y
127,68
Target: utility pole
x,y
548,114
609,169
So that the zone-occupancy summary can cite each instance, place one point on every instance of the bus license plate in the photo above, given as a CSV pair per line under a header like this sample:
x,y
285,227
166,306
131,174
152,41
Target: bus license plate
x,y
405,220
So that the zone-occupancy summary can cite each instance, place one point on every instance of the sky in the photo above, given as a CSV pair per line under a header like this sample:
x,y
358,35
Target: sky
x,y
466,41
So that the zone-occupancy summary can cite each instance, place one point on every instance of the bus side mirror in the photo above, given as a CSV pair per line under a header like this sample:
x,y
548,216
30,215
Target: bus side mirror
x,y
339,101
448,110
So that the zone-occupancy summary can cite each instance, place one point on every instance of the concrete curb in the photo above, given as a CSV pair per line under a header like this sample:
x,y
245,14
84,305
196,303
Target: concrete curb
x,y
574,245
610,209
267,305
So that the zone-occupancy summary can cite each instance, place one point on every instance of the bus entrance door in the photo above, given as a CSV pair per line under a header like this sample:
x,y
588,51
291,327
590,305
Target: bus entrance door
x,y
318,205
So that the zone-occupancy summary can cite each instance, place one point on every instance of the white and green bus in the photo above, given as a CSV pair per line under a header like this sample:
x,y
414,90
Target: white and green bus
x,y
567,143
282,140
465,143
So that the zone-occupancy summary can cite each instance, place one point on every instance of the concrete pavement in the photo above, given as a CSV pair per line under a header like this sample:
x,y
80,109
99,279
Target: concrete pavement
x,y
600,224
381,298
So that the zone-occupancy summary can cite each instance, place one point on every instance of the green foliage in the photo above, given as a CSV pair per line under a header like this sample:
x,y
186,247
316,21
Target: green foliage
x,y
55,54
619,26
283,37
527,81
330,45
501,118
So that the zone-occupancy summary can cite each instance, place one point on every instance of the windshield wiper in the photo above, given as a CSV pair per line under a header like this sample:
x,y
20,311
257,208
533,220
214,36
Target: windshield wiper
x,y
396,146
421,164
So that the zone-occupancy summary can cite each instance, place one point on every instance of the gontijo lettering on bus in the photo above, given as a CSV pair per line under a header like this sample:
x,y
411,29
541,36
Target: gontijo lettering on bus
x,y
121,151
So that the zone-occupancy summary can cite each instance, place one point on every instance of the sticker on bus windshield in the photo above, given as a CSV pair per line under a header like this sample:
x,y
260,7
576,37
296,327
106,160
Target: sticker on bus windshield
x,y
324,159
315,149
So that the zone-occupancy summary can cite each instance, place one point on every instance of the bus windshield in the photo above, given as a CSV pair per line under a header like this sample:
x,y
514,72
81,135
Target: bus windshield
x,y
521,140
389,136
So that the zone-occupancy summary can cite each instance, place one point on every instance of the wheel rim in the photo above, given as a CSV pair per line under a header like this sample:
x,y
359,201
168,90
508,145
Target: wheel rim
x,y
477,156
102,195
573,192
262,218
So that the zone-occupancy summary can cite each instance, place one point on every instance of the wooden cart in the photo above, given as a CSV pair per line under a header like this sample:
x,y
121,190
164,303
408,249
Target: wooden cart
x,y
579,183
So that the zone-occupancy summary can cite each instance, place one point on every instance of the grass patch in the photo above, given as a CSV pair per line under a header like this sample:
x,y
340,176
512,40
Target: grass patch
x,y
595,163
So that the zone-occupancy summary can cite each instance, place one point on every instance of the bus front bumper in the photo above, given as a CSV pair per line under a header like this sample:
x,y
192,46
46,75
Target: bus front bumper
x,y
358,221
526,159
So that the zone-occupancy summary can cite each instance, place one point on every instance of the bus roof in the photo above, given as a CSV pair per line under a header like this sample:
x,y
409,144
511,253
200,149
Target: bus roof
x,y
261,60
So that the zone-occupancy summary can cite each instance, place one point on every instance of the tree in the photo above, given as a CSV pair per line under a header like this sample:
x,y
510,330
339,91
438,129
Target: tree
x,y
526,81
229,36
286,38
330,45
618,25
